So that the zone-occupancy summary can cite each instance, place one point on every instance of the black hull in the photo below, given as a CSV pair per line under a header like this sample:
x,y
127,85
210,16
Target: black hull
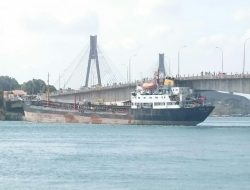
x,y
179,116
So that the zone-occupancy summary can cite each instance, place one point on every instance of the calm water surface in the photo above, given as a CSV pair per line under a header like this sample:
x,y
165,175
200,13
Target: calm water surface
x,y
214,155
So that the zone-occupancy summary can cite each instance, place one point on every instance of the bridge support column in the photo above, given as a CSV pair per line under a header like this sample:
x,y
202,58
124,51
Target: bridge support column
x,y
161,65
93,54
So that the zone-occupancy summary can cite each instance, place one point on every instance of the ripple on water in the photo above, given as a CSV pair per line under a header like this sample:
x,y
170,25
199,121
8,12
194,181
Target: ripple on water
x,y
213,155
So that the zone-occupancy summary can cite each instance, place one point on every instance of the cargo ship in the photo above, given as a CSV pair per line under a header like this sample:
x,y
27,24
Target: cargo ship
x,y
152,103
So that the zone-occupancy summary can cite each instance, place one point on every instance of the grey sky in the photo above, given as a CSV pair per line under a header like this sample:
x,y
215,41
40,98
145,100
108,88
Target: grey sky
x,y
37,37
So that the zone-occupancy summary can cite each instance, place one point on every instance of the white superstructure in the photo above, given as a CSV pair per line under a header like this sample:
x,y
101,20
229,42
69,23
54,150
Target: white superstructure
x,y
162,98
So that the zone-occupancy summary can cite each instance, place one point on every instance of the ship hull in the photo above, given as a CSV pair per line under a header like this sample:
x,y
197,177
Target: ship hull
x,y
180,116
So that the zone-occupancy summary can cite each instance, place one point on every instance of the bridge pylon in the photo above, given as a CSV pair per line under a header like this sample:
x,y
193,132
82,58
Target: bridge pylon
x,y
93,55
161,68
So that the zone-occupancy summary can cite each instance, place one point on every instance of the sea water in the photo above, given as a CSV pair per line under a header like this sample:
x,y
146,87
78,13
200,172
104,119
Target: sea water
x,y
213,155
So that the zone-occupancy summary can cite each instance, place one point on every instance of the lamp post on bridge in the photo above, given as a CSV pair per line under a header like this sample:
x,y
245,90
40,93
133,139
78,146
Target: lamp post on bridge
x,y
129,68
244,56
179,60
221,57
126,73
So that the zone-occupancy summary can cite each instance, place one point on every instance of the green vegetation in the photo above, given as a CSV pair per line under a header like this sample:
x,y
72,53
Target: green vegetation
x,y
1,98
227,104
2,112
36,86
33,86
7,83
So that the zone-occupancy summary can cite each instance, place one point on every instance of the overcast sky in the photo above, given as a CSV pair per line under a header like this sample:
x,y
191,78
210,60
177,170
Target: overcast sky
x,y
37,37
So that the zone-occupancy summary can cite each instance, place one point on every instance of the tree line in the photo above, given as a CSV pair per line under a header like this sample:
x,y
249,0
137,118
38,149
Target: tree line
x,y
33,86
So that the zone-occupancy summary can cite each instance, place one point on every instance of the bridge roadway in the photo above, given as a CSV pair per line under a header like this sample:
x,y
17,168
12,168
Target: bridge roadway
x,y
121,92
113,93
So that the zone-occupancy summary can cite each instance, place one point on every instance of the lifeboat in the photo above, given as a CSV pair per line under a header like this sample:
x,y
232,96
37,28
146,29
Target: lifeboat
x,y
169,82
149,85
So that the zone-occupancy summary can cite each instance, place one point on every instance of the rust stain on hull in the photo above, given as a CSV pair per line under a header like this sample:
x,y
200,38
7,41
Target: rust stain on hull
x,y
130,120
70,118
95,119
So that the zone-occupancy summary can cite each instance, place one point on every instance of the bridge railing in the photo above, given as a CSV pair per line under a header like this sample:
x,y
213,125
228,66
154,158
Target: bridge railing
x,y
215,76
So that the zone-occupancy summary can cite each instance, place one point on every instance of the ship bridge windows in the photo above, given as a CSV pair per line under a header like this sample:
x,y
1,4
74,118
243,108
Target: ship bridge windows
x,y
143,105
170,103
162,91
159,104
147,105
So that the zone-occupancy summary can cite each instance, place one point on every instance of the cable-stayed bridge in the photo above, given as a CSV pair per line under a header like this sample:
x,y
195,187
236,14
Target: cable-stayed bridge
x,y
103,83
90,68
